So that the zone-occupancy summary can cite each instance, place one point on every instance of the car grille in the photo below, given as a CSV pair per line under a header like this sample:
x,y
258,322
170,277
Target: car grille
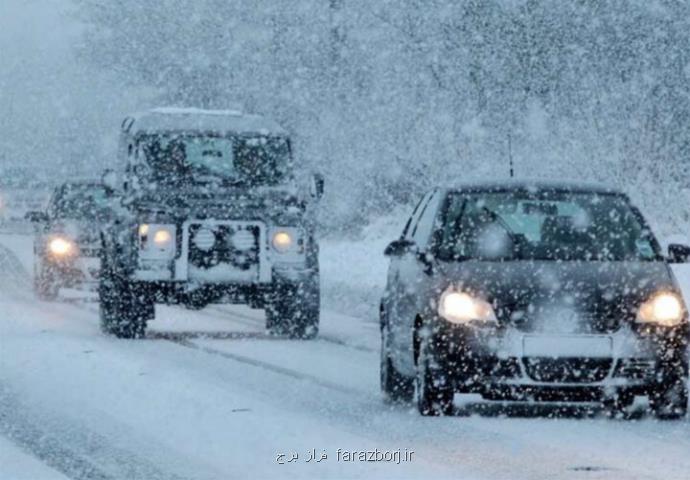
x,y
567,370
584,324
236,245
636,369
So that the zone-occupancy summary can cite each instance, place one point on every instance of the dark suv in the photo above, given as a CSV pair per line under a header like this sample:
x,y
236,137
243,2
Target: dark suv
x,y
533,292
67,241
209,211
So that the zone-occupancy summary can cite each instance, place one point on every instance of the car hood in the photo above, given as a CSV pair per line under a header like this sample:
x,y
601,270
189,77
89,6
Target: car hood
x,y
261,204
567,297
84,232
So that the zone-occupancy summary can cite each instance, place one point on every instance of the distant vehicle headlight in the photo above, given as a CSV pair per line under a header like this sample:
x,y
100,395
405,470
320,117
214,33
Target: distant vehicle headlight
x,y
463,308
282,241
664,308
62,247
157,241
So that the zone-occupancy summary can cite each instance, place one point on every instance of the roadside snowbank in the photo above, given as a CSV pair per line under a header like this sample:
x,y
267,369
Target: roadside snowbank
x,y
18,465
353,269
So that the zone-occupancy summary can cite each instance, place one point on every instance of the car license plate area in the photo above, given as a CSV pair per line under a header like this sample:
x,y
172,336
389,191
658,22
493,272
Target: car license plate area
x,y
564,346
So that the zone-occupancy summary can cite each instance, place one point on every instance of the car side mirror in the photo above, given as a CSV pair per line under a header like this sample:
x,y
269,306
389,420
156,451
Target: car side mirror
x,y
109,181
398,247
36,217
678,253
317,186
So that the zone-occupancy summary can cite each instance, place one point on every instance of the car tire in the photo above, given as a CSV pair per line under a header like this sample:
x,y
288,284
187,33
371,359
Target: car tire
x,y
434,397
123,311
294,311
669,401
396,387
45,285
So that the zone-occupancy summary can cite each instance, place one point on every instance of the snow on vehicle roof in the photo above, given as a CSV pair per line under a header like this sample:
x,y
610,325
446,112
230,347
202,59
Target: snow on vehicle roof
x,y
82,183
537,185
174,119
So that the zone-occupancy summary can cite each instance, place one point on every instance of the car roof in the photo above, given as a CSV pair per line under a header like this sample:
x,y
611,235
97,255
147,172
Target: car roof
x,y
536,186
172,119
79,185
82,183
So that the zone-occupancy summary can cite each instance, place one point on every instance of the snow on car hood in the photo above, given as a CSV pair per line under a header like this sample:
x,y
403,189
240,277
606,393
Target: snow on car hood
x,y
263,204
84,232
566,297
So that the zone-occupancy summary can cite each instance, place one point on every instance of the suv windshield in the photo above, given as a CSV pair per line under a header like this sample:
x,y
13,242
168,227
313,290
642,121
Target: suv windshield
x,y
180,159
545,226
80,201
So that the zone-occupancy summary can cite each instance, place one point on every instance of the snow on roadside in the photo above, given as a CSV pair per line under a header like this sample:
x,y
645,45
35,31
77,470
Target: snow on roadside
x,y
353,269
15,464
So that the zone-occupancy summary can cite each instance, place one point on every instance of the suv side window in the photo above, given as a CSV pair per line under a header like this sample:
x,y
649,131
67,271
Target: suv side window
x,y
425,225
51,210
412,221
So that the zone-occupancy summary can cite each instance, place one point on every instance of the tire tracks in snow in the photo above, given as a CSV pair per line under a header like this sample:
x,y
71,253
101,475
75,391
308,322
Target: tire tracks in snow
x,y
182,341
74,449
68,445
14,276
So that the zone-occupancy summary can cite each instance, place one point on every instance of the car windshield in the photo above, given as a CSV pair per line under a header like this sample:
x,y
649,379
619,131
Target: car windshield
x,y
80,201
545,226
190,159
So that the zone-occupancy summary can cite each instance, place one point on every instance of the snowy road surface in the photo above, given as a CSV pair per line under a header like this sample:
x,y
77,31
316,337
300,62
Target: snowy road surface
x,y
208,396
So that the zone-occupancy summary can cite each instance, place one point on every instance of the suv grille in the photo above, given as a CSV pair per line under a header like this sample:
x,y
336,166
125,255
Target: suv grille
x,y
235,245
567,370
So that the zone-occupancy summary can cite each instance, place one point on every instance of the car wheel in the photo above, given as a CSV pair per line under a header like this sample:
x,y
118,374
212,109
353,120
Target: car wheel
x,y
434,396
669,401
123,311
294,311
396,387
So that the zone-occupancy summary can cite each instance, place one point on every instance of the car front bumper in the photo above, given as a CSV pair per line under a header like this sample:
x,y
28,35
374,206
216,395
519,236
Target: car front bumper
x,y
76,272
254,293
511,363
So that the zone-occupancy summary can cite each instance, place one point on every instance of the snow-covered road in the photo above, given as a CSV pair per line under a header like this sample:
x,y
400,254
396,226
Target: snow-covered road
x,y
207,395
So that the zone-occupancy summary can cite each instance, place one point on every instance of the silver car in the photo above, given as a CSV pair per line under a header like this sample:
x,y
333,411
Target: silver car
x,y
533,292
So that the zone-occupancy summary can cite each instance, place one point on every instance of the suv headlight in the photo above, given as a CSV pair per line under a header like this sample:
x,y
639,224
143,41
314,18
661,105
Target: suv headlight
x,y
287,240
665,308
157,241
463,308
62,247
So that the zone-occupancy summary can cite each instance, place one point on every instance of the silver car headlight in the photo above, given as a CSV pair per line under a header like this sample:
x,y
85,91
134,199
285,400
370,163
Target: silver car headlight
x,y
464,309
157,241
665,308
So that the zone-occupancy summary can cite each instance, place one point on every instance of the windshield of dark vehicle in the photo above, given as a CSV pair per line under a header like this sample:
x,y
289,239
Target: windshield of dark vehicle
x,y
545,226
255,160
80,201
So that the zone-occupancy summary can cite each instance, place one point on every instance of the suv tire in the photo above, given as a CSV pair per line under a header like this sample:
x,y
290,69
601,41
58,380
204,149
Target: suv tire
x,y
294,310
123,311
